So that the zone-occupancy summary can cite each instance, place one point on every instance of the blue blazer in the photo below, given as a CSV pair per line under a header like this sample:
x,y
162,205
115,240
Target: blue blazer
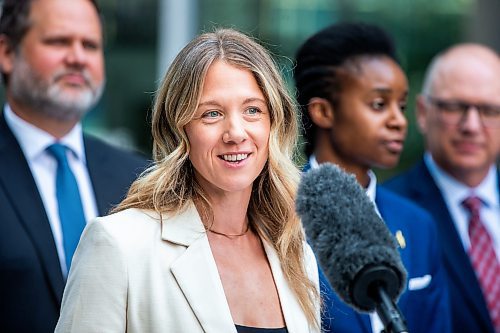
x,y
468,307
31,281
424,303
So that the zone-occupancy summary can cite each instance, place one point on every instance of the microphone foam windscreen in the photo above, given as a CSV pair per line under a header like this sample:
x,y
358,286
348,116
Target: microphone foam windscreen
x,y
344,230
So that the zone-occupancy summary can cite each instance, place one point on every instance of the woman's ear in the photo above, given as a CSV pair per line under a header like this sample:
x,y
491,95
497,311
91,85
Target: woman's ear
x,y
321,112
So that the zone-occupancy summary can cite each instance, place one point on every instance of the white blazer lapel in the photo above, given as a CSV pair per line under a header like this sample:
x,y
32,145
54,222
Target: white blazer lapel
x,y
295,320
196,272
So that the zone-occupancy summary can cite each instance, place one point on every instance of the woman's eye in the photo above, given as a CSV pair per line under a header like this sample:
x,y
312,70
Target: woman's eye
x,y
377,104
211,114
402,106
253,111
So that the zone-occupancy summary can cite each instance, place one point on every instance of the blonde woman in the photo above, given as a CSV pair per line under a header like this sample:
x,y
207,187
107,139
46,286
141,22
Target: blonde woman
x,y
207,239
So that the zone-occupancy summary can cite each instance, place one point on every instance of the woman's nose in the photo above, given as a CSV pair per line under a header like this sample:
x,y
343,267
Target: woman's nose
x,y
235,131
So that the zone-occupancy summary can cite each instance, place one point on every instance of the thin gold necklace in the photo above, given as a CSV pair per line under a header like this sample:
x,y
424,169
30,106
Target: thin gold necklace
x,y
230,236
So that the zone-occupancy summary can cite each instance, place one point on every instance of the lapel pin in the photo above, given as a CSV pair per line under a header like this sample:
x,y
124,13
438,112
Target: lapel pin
x,y
400,239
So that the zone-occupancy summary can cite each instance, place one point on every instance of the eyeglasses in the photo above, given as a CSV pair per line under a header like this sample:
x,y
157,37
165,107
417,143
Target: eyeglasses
x,y
453,112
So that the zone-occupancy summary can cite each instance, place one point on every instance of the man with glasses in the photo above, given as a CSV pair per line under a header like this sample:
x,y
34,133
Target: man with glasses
x,y
458,180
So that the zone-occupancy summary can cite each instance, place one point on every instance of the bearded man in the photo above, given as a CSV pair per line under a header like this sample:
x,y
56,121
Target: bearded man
x,y
53,177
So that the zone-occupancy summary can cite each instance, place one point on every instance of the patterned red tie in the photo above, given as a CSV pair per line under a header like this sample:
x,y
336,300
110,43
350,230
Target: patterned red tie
x,y
484,260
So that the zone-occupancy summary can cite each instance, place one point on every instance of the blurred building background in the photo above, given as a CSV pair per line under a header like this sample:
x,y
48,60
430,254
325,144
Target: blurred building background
x,y
143,36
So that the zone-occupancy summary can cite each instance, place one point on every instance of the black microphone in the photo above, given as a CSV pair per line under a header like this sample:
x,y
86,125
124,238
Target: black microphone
x,y
354,248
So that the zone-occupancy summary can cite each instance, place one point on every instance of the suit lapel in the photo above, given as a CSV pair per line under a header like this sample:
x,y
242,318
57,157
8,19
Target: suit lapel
x,y
455,257
17,180
101,175
196,272
306,167
294,316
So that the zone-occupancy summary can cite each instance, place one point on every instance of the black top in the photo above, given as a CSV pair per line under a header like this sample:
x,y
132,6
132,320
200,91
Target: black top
x,y
246,329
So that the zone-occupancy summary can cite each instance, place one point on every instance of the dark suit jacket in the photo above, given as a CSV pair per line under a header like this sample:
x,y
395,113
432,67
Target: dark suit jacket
x,y
31,281
425,309
468,307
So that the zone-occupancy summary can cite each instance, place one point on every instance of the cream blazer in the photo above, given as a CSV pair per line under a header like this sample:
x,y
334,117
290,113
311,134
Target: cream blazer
x,y
134,273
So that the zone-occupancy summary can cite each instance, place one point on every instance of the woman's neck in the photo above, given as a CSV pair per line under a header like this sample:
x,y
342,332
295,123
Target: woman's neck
x,y
229,213
359,171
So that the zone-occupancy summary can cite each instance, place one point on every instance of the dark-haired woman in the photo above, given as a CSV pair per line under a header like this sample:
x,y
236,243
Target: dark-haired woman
x,y
353,94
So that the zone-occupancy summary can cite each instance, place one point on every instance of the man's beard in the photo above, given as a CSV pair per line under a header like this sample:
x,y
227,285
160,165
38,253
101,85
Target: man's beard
x,y
49,98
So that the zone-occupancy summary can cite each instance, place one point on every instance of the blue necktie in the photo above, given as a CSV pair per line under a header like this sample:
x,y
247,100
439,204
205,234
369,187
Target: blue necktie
x,y
68,201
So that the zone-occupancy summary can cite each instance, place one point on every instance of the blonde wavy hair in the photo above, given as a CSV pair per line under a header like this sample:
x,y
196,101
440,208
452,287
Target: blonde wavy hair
x,y
169,186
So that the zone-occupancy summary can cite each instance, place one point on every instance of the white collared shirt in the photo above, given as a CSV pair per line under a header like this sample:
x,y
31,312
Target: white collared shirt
x,y
455,192
371,190
34,142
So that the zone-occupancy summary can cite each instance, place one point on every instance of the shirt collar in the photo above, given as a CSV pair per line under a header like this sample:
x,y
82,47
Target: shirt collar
x,y
371,190
34,141
457,191
313,162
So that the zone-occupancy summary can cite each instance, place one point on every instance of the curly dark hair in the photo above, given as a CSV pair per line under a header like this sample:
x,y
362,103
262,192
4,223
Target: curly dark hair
x,y
323,54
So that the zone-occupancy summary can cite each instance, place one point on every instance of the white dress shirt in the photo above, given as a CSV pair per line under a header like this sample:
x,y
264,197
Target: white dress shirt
x,y
455,192
43,166
371,190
